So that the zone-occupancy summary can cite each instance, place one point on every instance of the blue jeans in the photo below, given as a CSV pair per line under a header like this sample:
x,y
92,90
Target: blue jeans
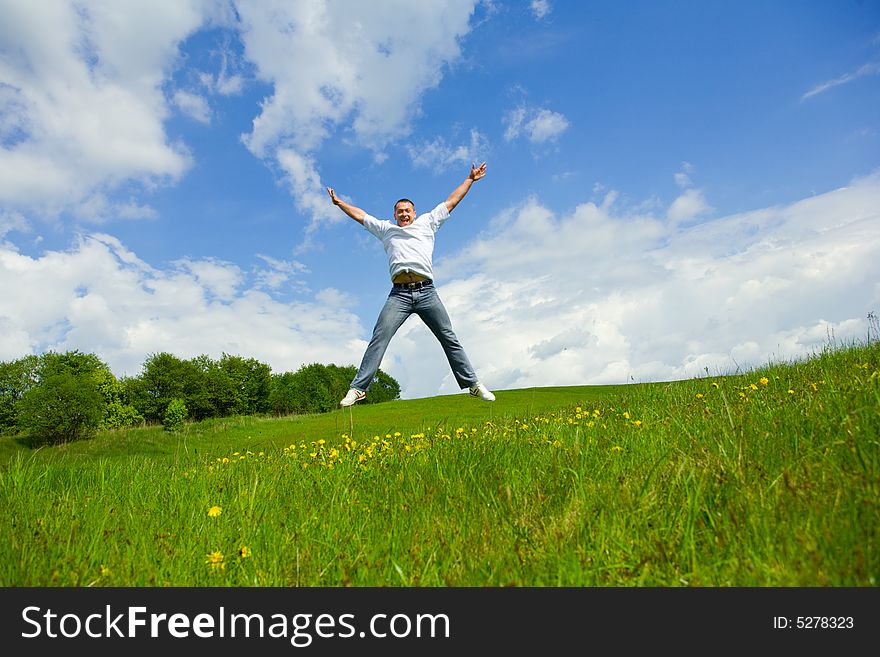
x,y
401,303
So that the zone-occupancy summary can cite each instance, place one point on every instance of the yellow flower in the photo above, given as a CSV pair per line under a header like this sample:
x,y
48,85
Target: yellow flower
x,y
699,395
244,552
617,448
764,381
214,511
104,570
216,560
753,386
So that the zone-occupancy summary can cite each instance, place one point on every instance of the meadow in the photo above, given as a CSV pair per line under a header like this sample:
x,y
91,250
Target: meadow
x,y
761,478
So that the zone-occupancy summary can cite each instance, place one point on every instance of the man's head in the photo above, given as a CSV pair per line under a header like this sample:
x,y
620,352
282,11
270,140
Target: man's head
x,y
404,212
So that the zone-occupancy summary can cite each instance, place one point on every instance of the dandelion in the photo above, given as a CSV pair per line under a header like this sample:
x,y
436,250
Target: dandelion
x,y
104,570
214,511
715,385
216,560
764,381
244,552
753,386
699,395
617,449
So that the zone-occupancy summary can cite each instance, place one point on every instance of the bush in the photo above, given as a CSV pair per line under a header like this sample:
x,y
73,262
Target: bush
x,y
16,378
62,408
175,415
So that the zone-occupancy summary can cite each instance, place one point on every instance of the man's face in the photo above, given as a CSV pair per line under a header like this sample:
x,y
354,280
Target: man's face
x,y
404,213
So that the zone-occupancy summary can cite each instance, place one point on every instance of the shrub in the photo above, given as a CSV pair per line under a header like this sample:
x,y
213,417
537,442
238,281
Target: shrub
x,y
62,408
175,415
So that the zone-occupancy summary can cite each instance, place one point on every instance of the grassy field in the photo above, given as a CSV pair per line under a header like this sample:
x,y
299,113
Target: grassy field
x,y
768,478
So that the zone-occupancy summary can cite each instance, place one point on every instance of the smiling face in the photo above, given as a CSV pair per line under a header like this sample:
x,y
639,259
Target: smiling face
x,y
404,213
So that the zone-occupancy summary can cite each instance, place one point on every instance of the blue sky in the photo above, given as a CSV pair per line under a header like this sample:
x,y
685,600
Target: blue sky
x,y
673,188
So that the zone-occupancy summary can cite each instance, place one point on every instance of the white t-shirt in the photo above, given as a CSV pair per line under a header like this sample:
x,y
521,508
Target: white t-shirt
x,y
409,249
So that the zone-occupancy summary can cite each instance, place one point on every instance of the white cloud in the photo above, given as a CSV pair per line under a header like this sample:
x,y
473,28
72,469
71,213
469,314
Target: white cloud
x,y
86,89
540,8
278,272
193,105
683,177
100,297
690,204
538,125
82,93
871,68
370,81
610,296
440,156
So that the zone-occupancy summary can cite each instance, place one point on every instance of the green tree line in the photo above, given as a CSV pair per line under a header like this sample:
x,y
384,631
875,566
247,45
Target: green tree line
x,y
59,397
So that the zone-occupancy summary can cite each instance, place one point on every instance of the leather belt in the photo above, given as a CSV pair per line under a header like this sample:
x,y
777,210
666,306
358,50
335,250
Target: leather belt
x,y
413,286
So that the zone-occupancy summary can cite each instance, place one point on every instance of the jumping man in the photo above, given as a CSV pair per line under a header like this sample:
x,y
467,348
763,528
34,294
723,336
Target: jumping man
x,y
409,243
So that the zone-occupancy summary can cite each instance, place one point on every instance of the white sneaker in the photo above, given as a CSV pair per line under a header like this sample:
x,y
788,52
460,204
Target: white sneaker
x,y
352,397
479,390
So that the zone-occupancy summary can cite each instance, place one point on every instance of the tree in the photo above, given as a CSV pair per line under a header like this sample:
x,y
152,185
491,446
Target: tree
x,y
175,415
62,408
312,389
250,382
318,388
384,388
16,378
165,377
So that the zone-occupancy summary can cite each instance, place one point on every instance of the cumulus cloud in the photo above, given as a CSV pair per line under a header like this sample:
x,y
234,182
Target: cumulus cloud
x,y
692,202
193,105
440,155
540,8
83,100
369,82
86,88
538,125
613,295
101,297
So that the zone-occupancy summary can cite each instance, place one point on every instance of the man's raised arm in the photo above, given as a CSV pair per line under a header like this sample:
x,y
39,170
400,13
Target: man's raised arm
x,y
458,193
352,211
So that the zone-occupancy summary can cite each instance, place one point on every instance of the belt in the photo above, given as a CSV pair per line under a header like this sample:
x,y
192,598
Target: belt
x,y
414,286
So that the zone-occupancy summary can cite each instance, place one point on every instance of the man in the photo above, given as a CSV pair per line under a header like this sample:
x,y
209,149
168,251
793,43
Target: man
x,y
409,243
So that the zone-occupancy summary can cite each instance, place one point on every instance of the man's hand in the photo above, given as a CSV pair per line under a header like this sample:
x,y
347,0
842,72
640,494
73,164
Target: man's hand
x,y
458,193
352,211
477,172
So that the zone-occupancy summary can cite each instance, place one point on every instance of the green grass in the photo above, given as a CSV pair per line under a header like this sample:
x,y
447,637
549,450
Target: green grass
x,y
769,478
